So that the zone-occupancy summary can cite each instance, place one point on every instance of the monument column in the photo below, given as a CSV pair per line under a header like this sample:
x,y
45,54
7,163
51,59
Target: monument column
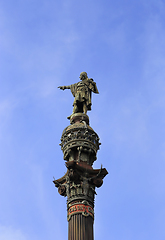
x,y
80,143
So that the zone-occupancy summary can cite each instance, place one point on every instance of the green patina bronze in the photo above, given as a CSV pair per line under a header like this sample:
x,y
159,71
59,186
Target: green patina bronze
x,y
82,93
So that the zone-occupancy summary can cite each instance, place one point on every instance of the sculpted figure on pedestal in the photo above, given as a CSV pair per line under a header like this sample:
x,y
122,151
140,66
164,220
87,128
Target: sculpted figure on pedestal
x,y
82,93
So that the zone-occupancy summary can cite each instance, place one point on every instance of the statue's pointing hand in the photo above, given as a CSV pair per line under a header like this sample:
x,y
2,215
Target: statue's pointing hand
x,y
62,87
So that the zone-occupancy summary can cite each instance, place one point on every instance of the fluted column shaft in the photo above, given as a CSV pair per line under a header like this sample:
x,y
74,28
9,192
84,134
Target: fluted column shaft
x,y
80,228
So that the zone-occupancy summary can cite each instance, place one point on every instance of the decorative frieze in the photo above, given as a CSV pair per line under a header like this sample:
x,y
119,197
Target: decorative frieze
x,y
80,208
80,138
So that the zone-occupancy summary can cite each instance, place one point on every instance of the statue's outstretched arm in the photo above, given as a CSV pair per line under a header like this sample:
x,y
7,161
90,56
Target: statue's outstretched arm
x,y
64,87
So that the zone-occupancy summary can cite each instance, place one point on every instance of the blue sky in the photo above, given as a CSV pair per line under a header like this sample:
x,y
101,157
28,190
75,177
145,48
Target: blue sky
x,y
121,45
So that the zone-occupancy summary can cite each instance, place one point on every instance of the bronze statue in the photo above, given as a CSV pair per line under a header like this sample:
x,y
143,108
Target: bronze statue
x,y
82,93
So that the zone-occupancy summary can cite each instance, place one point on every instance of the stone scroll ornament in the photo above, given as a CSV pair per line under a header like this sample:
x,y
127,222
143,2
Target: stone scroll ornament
x,y
82,93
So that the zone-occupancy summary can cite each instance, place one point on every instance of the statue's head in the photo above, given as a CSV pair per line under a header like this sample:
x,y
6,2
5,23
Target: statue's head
x,y
83,75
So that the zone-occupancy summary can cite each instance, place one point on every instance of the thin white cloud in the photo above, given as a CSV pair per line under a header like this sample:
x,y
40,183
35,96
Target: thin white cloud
x,y
6,108
154,62
10,233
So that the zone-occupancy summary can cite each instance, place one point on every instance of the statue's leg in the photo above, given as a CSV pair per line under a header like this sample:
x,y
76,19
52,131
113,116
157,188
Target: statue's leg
x,y
75,108
84,108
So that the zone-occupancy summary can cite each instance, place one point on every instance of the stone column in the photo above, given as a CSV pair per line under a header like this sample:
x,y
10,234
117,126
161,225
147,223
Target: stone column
x,y
80,143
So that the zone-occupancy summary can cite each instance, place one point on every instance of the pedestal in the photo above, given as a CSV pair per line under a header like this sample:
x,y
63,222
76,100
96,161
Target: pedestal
x,y
80,143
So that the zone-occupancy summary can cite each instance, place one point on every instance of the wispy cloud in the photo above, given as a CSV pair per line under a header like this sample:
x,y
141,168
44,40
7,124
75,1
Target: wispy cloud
x,y
7,107
10,233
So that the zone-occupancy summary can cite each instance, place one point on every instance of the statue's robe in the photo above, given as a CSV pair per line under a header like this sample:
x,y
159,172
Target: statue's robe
x,y
82,92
